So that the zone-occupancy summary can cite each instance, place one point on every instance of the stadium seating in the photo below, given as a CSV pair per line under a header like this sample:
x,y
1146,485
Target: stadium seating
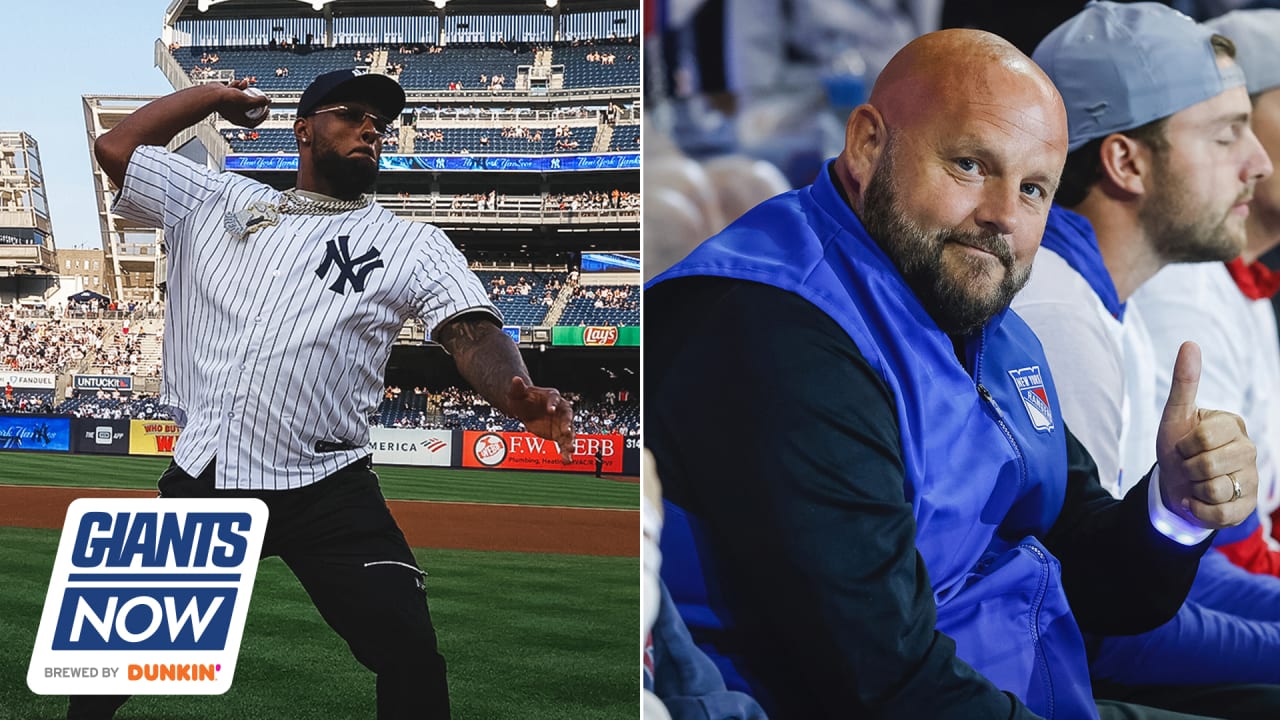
x,y
303,64
272,140
458,140
27,401
144,407
462,64
626,138
619,310
582,73
521,308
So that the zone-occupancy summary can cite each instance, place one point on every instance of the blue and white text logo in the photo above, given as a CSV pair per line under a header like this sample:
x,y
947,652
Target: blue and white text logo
x,y
148,597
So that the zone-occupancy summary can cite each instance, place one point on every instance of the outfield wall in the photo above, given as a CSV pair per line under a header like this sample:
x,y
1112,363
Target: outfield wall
x,y
390,446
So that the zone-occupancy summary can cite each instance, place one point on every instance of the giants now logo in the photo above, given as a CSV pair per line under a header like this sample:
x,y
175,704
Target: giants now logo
x,y
136,580
597,335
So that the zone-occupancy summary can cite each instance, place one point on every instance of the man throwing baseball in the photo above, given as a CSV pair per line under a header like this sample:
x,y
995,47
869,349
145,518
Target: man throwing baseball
x,y
282,309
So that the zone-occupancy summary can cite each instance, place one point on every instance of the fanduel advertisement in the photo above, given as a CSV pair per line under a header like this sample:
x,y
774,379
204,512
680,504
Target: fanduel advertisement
x,y
148,597
35,432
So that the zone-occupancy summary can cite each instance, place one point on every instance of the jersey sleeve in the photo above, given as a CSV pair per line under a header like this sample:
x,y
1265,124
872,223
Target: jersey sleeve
x,y
443,286
161,188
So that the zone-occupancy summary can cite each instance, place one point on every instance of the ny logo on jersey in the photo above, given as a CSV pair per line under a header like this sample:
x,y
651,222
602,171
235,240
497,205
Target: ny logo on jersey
x,y
352,270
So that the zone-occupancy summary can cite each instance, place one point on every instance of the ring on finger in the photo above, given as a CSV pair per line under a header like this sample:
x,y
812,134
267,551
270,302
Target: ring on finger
x,y
1235,485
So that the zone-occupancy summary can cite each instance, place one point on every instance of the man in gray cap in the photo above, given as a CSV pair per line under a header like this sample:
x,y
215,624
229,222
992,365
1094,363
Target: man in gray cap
x,y
1161,163
1225,307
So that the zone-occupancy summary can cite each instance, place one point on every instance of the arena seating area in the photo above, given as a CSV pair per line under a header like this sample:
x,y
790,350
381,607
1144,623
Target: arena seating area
x,y
579,72
603,305
102,405
457,66
458,409
626,138
46,346
262,140
524,297
469,140
261,63
26,401
459,63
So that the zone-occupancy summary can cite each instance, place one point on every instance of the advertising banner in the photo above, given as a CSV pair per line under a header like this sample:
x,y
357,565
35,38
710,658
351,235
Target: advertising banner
x,y
631,457
148,597
526,451
28,381
123,383
597,336
100,437
411,446
35,432
468,163
152,437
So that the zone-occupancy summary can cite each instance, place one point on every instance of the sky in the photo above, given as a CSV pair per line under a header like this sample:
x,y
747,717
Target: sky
x,y
55,51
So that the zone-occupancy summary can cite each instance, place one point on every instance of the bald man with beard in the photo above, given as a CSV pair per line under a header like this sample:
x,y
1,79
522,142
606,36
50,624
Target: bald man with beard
x,y
872,505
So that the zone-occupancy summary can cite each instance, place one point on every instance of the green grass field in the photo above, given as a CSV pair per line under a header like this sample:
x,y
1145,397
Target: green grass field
x,y
398,483
529,637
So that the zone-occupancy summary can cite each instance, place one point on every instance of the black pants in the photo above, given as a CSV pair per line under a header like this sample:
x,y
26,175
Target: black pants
x,y
340,540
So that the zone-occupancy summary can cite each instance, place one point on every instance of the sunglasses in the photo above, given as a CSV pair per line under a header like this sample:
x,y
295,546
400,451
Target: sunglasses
x,y
356,117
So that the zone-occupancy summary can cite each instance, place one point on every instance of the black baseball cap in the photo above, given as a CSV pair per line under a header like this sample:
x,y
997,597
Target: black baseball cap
x,y
379,91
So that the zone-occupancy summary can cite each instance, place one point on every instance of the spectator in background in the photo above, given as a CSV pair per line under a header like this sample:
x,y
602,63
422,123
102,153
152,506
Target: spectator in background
x,y
1225,307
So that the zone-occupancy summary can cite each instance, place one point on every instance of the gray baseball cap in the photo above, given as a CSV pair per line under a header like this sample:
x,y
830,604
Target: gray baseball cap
x,y
1122,65
1256,34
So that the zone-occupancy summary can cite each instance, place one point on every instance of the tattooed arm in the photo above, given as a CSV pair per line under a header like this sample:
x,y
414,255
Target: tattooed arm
x,y
488,360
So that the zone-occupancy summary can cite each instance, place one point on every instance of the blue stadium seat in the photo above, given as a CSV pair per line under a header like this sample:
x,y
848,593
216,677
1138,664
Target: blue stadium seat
x,y
582,311
581,73
625,138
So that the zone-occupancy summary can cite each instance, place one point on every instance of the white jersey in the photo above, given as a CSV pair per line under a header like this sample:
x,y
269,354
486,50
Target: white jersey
x,y
1102,366
1239,350
276,346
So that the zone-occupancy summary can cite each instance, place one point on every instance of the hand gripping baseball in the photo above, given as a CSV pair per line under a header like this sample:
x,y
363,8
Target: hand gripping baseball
x,y
242,106
1208,473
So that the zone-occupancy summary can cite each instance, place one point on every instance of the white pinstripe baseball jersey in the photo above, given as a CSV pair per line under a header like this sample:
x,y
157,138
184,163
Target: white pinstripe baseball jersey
x,y
276,346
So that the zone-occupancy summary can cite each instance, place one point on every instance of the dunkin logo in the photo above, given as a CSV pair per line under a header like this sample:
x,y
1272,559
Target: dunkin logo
x,y
597,335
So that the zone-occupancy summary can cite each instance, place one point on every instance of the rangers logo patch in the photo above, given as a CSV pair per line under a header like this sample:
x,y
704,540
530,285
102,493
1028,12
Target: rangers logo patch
x,y
1035,398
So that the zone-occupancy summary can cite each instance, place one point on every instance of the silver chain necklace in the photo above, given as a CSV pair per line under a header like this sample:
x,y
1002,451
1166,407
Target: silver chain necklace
x,y
261,213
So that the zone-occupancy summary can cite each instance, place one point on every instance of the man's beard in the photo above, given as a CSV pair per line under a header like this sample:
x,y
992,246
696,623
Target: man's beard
x,y
348,176
949,297
1204,238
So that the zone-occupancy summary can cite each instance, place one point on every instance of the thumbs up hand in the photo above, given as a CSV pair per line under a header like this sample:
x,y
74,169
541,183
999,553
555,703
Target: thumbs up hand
x,y
1208,473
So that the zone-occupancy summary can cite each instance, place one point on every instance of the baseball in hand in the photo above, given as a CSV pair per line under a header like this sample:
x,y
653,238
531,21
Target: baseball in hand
x,y
256,113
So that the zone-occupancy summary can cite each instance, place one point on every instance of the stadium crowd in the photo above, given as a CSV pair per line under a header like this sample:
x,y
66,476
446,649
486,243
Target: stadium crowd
x,y
463,409
30,345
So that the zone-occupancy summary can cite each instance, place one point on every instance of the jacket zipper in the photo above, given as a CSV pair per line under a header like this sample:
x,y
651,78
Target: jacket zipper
x,y
1036,606
986,396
